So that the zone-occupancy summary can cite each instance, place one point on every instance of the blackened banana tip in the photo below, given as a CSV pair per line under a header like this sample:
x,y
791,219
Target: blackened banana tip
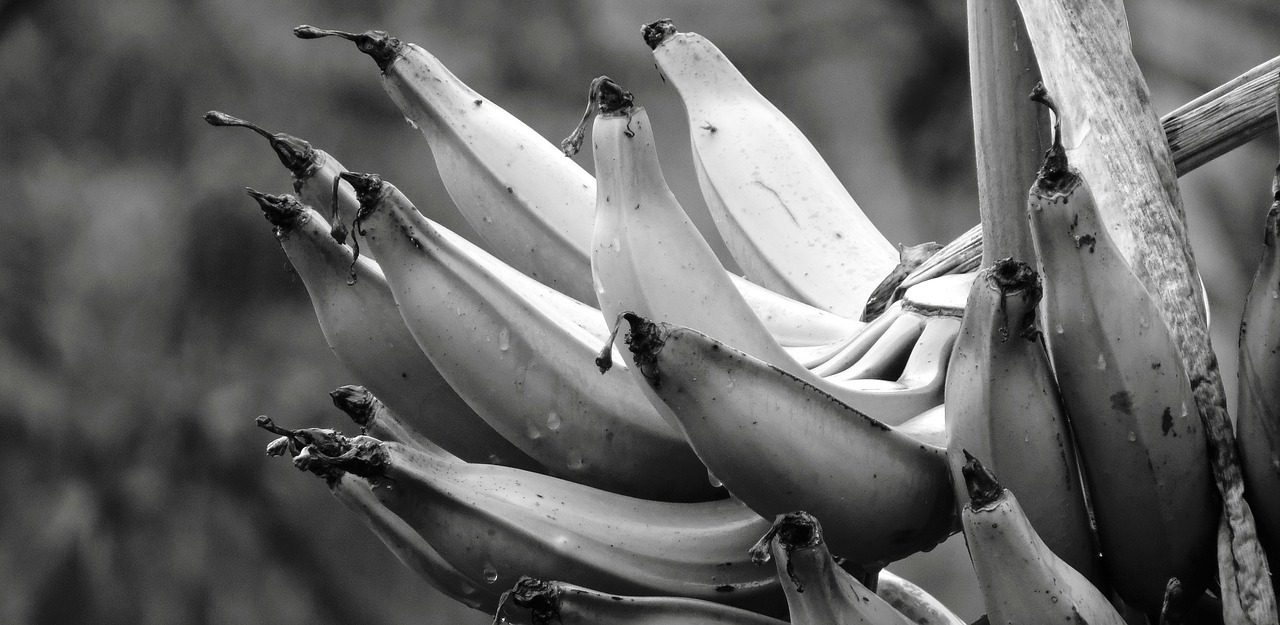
x,y
798,530
610,98
981,483
658,32
355,401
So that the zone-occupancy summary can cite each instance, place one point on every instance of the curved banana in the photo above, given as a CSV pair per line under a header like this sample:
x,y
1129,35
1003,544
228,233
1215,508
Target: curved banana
x,y
650,259
780,444
378,421
499,524
819,592
1258,420
534,206
1022,580
913,601
918,386
1136,424
887,356
1003,404
523,368
540,602
409,547
362,326
784,215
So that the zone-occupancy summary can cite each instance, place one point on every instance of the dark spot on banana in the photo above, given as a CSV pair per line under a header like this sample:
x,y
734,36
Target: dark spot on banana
x,y
726,588
1123,402
1166,421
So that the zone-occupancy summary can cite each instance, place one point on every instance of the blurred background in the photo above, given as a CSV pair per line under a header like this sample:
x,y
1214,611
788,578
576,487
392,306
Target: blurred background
x,y
148,314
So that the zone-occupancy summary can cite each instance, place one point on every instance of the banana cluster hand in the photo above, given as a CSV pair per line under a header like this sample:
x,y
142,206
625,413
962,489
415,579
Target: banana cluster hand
x,y
634,493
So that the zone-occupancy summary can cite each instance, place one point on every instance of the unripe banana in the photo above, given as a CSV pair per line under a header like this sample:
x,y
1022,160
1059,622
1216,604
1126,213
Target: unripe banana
x,y
537,602
819,592
500,525
780,444
515,360
1003,404
784,215
409,547
517,190
1258,420
913,601
378,421
1141,441
362,326
1022,580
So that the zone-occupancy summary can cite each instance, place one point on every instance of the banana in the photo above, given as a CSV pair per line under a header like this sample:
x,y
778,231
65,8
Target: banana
x,y
360,323
650,259
378,421
888,355
819,592
1258,420
314,172
540,602
1021,578
533,205
780,444
922,380
1136,424
409,547
913,601
856,347
523,368
1003,404
784,215
499,525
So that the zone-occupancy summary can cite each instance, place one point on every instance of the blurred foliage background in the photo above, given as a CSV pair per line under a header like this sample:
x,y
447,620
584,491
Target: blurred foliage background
x,y
148,314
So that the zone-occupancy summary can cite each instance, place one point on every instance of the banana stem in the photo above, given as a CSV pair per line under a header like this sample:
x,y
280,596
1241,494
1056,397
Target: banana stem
x,y
368,188
283,211
658,32
295,154
541,598
983,488
1222,119
605,98
380,46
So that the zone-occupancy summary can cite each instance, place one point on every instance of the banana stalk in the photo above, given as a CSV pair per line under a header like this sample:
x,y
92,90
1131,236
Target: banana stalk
x,y
1003,404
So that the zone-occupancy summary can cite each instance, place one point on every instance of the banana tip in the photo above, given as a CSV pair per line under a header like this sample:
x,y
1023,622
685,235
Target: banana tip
x,y
658,32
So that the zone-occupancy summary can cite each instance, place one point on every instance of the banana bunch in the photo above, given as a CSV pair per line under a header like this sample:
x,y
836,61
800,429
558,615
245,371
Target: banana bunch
x,y
514,437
